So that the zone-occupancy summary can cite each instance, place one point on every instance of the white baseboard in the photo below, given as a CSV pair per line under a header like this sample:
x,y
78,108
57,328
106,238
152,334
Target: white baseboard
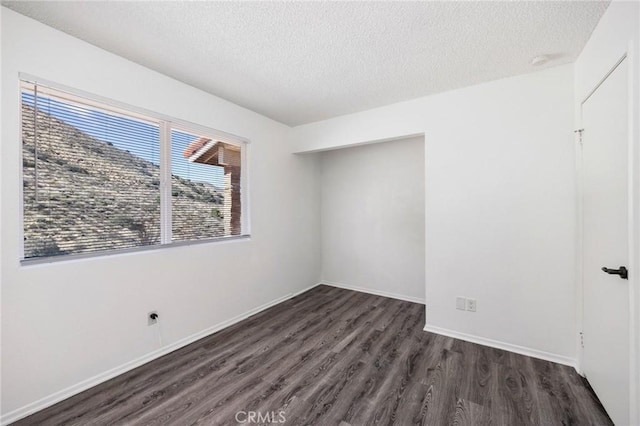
x,y
375,292
298,293
109,374
522,350
121,369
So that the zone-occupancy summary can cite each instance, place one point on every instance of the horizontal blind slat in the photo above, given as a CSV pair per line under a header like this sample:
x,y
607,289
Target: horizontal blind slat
x,y
96,186
91,178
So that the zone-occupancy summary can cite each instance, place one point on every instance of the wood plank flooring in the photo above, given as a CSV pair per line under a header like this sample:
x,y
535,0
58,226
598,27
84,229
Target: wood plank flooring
x,y
335,357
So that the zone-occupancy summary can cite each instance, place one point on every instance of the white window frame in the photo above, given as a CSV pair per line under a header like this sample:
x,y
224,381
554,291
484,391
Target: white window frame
x,y
166,124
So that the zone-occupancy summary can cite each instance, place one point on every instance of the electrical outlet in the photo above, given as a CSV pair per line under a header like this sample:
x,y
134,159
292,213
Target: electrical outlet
x,y
461,303
471,305
152,317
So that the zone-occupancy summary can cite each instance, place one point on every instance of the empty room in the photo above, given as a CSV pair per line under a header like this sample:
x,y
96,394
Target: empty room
x,y
320,213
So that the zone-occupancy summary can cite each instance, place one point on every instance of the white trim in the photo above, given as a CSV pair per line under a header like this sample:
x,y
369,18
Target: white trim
x,y
304,290
72,390
522,350
375,292
78,257
634,235
598,84
166,199
245,188
579,261
20,212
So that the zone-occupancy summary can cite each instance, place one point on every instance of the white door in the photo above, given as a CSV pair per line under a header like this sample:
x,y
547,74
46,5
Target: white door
x,y
605,243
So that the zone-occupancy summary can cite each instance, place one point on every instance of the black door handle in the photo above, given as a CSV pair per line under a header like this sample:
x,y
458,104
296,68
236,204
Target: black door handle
x,y
622,271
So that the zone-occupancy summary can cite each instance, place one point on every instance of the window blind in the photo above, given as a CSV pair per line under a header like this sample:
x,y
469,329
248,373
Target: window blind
x,y
91,178
97,177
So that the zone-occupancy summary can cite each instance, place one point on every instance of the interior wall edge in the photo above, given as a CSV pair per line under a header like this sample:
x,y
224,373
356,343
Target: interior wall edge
x,y
522,350
393,136
374,292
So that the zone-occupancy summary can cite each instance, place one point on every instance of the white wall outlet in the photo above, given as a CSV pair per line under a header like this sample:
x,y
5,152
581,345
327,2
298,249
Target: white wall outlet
x,y
471,305
152,317
461,303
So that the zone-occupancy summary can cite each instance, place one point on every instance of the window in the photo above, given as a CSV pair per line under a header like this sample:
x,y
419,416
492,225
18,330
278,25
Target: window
x,y
97,177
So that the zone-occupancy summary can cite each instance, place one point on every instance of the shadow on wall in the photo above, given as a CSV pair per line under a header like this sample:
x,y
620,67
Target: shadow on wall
x,y
373,215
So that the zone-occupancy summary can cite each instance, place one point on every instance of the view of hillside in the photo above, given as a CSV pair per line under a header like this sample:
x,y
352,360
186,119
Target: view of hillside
x,y
93,196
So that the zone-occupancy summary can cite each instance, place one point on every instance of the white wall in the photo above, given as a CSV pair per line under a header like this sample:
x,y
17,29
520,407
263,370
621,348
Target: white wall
x,y
373,218
66,322
500,205
618,33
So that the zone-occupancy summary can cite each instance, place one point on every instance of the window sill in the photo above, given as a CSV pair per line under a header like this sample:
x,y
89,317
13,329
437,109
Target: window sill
x,y
129,251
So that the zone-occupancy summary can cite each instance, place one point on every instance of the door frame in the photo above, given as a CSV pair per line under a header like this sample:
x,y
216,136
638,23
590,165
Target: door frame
x,y
633,237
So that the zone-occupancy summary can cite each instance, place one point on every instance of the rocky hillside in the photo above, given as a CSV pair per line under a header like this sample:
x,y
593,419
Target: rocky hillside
x,y
93,196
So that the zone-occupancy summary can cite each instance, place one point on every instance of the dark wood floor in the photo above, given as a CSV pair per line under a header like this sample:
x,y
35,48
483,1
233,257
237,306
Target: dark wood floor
x,y
336,357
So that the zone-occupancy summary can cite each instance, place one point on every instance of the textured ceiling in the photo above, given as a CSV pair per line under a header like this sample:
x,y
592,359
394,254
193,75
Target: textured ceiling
x,y
299,62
